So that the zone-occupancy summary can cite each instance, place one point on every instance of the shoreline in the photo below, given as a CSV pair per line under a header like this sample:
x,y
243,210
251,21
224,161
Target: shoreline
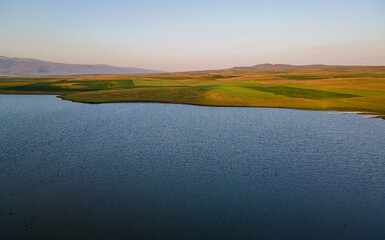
x,y
331,111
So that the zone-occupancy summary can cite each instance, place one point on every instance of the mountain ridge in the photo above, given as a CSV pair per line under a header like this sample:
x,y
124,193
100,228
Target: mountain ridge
x,y
36,67
270,66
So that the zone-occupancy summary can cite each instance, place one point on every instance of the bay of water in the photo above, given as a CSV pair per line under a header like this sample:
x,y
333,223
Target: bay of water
x,y
164,171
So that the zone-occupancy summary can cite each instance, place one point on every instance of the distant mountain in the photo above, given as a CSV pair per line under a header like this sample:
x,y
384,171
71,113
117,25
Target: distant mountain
x,y
266,67
269,67
34,67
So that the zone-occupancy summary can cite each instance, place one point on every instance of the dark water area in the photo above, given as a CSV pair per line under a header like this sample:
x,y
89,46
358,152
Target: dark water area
x,y
164,171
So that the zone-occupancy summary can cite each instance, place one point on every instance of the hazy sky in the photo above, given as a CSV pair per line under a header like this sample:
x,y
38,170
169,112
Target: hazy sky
x,y
176,35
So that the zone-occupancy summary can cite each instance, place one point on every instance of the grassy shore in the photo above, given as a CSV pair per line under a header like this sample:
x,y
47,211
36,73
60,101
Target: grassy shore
x,y
352,89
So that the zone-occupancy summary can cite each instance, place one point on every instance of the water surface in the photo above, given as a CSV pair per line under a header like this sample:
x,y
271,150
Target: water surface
x,y
165,171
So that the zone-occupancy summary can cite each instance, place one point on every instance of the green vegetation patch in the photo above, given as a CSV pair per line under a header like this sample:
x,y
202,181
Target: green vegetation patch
x,y
295,92
16,79
105,84
155,83
76,86
42,87
170,77
302,77
217,76
360,93
240,92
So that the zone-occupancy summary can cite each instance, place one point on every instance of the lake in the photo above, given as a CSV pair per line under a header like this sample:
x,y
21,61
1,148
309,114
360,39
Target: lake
x,y
166,171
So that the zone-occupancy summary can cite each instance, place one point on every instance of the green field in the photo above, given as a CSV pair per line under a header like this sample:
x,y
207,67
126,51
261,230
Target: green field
x,y
353,89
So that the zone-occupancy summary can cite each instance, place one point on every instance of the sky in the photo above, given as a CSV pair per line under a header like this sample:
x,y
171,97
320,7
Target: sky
x,y
178,35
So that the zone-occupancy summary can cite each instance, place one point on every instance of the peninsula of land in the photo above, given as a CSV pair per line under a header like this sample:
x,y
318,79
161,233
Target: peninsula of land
x,y
315,87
